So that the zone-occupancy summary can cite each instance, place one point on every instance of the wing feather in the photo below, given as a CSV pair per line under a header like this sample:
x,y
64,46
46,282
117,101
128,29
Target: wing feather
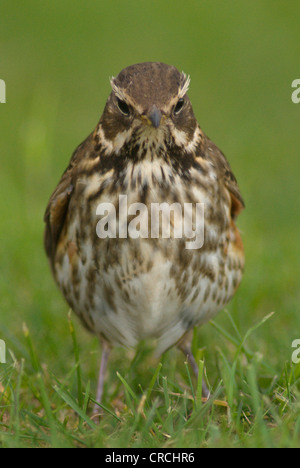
x,y
57,208
230,182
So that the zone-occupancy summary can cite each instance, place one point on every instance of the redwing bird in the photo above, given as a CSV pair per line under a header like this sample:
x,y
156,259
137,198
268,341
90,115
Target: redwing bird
x,y
149,147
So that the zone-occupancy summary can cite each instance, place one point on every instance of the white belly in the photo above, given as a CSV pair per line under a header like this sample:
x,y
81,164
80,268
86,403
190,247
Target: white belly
x,y
132,302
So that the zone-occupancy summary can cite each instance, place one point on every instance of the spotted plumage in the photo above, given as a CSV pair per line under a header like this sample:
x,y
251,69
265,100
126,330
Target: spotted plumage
x,y
148,146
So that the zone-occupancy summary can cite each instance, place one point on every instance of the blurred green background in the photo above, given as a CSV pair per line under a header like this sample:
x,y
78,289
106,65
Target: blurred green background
x,y
56,58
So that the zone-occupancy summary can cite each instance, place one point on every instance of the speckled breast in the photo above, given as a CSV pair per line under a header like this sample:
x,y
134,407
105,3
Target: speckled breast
x,y
128,289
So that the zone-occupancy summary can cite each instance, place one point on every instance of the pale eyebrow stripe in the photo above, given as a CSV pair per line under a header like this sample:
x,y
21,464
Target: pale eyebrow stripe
x,y
185,86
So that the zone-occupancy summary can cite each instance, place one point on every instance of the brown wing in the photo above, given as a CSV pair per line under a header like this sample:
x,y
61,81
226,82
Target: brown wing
x,y
57,208
220,161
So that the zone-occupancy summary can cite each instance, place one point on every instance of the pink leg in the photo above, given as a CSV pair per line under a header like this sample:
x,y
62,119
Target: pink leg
x,y
104,358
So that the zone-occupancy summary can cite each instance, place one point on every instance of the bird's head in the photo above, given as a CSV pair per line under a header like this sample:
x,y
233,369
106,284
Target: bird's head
x,y
148,105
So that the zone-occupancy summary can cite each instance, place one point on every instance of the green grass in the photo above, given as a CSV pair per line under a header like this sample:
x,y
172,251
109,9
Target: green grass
x,y
250,406
56,58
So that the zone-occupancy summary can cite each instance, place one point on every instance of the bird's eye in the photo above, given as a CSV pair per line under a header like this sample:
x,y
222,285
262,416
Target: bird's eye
x,y
123,107
179,106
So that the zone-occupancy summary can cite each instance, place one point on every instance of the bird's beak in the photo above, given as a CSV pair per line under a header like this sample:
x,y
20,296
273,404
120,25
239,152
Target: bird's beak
x,y
154,116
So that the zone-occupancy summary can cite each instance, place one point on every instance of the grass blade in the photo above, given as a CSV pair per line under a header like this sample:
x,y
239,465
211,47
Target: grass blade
x,y
72,403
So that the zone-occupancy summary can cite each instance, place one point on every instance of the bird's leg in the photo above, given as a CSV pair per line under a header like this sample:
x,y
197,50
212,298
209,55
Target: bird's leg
x,y
104,358
185,346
